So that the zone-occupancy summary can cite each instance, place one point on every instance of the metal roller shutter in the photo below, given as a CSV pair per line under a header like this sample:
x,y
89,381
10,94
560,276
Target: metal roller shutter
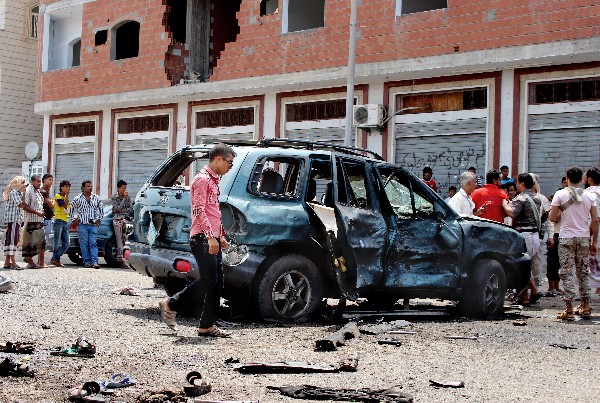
x,y
333,135
138,159
560,140
448,147
216,138
75,163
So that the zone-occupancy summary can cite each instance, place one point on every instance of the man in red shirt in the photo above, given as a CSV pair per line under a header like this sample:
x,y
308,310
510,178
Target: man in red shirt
x,y
207,238
490,197
428,178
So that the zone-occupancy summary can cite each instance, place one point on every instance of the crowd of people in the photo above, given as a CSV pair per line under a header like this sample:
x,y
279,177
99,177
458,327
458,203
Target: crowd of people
x,y
32,214
568,220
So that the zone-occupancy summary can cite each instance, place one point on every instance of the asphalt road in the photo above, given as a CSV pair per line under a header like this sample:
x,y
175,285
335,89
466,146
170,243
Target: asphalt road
x,y
499,362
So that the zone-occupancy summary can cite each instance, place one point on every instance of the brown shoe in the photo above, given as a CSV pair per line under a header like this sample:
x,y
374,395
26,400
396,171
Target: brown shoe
x,y
56,263
585,313
566,315
167,314
213,331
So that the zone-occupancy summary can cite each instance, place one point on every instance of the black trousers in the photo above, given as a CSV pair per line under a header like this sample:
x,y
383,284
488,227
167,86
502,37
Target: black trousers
x,y
552,263
207,288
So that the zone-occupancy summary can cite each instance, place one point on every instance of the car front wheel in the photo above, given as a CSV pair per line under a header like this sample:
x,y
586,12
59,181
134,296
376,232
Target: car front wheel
x,y
110,253
484,296
290,289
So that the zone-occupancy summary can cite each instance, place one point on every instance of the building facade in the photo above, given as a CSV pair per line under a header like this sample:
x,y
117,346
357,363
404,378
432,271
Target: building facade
x,y
123,84
19,124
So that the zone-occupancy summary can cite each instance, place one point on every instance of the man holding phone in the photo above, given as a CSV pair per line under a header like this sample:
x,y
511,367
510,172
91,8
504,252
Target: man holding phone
x,y
87,212
489,197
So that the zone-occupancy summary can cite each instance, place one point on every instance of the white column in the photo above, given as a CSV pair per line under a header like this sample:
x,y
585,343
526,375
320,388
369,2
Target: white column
x,y
182,129
374,138
506,118
270,118
105,152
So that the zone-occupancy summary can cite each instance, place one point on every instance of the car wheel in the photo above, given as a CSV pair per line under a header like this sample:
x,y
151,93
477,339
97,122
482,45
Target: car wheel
x,y
110,253
290,289
75,257
484,296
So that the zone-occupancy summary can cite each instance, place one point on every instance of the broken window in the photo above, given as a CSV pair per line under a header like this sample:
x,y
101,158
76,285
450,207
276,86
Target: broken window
x,y
276,176
319,110
79,129
416,6
33,22
177,18
473,98
75,53
268,7
126,40
352,185
143,124
225,118
565,91
303,14
101,37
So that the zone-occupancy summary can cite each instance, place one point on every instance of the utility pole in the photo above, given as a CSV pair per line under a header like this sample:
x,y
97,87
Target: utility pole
x,y
351,71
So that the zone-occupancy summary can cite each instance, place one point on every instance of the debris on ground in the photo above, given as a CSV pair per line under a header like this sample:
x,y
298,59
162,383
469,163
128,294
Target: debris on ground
x,y
81,348
162,396
295,367
309,392
384,327
197,386
400,313
338,339
5,284
392,342
462,337
563,346
11,367
129,290
17,347
402,332
519,322
446,384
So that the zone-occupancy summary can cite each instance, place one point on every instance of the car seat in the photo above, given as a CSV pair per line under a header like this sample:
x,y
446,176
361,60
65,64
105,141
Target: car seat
x,y
311,190
328,196
271,182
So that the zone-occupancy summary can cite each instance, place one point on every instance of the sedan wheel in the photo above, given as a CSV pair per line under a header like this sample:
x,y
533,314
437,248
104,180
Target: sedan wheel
x,y
291,294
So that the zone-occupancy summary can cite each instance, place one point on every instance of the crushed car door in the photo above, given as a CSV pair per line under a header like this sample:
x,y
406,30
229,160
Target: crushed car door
x,y
356,230
425,243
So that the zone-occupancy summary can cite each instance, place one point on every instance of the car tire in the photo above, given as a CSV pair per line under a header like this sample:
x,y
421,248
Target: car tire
x,y
110,253
75,257
484,296
289,289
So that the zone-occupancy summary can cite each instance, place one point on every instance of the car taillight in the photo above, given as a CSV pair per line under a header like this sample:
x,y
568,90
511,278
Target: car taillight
x,y
126,254
183,266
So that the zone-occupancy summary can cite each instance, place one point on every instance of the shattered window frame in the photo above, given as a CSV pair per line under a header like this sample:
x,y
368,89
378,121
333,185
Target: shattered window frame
x,y
291,170
354,190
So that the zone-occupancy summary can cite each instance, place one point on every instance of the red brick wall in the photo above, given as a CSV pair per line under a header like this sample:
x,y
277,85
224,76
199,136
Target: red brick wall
x,y
175,62
260,49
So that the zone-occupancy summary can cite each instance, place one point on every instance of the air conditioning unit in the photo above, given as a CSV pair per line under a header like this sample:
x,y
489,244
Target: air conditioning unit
x,y
369,115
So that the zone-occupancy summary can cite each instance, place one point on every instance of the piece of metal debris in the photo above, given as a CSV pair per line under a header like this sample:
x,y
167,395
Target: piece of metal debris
x,y
338,339
563,346
402,332
295,367
391,342
384,327
395,314
462,337
520,322
447,384
309,392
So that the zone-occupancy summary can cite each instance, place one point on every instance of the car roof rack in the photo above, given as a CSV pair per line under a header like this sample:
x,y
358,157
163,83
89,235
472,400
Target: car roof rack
x,y
318,145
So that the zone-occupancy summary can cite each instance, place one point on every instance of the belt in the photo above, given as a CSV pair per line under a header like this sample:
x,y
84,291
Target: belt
x,y
526,229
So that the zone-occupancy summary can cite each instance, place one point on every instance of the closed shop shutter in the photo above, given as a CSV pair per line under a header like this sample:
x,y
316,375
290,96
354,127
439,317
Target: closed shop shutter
x,y
333,135
560,140
75,163
138,159
216,138
448,147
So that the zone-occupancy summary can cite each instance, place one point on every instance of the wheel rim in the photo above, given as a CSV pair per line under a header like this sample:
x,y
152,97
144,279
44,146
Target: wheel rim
x,y
492,293
291,294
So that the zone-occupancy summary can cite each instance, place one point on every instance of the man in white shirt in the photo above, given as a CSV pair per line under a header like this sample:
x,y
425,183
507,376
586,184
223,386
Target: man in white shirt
x,y
461,202
573,208
593,180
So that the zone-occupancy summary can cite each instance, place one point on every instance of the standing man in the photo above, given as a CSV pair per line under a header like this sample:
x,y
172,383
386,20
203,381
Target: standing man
x,y
61,222
573,208
34,240
87,212
428,178
525,212
504,179
122,210
479,177
461,202
593,181
207,238
47,182
451,193
491,197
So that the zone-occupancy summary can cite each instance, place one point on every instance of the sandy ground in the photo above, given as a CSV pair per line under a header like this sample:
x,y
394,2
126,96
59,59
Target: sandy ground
x,y
52,307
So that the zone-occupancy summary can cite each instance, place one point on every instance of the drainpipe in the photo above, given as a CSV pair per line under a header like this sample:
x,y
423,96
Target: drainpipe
x,y
351,71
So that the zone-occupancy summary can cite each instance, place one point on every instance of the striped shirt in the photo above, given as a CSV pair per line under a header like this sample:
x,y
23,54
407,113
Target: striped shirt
x,y
86,211
34,199
12,211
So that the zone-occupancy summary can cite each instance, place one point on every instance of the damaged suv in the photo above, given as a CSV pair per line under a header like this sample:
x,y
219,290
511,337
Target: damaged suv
x,y
309,221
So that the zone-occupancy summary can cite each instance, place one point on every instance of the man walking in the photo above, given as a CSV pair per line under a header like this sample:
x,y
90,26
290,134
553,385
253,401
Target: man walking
x,y
34,240
207,238
61,219
491,197
47,182
122,211
573,208
87,212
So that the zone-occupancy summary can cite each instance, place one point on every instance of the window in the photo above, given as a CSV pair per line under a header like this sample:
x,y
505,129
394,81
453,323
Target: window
x,y
475,98
144,124
75,53
126,40
320,110
276,176
59,47
352,187
303,14
33,22
405,7
225,118
268,7
101,37
79,129
565,91
405,198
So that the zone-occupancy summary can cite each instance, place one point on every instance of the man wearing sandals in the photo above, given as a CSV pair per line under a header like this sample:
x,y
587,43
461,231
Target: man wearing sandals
x,y
573,208
34,240
207,238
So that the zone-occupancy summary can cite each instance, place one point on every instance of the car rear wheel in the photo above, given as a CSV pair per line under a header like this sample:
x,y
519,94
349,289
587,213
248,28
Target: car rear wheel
x,y
484,296
290,289
110,253
75,257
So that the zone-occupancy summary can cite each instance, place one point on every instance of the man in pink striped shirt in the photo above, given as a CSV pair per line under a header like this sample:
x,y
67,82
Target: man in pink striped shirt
x,y
207,238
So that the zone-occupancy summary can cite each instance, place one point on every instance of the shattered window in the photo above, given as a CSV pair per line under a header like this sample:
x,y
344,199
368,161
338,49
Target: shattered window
x,y
352,186
276,176
397,190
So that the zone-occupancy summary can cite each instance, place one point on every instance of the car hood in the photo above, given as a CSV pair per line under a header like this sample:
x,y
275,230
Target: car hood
x,y
492,235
